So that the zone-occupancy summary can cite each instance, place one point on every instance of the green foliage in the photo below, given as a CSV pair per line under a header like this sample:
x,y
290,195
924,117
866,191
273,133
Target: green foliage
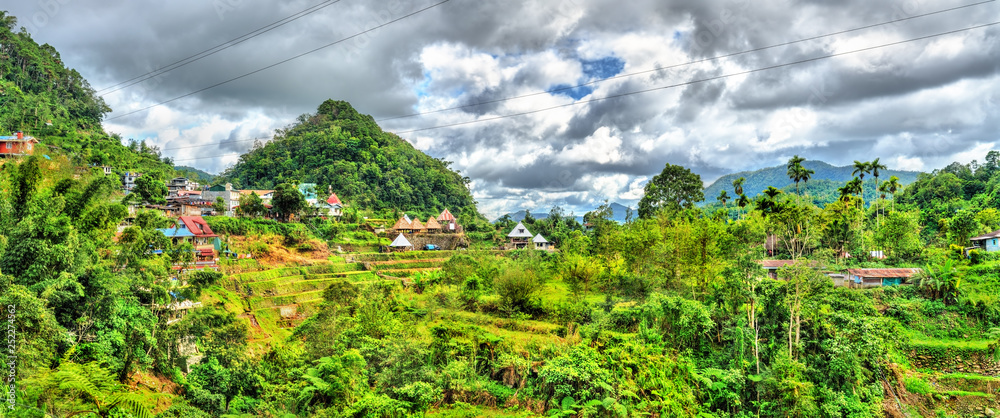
x,y
338,147
917,385
675,188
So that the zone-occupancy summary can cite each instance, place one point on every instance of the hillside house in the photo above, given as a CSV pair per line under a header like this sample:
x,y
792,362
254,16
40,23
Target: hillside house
x,y
861,278
191,229
177,184
128,181
772,266
17,145
308,191
432,225
264,195
520,237
403,225
448,222
229,195
335,207
541,243
988,242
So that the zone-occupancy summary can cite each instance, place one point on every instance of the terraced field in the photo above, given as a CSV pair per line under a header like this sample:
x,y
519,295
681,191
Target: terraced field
x,y
275,301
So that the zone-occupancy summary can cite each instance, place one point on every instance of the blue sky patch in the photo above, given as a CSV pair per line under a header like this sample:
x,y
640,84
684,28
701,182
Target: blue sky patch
x,y
576,93
602,68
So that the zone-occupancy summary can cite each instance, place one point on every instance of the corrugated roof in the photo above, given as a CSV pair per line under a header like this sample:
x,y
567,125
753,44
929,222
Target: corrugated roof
x,y
197,225
520,231
333,200
775,263
539,239
176,232
909,272
994,234
446,216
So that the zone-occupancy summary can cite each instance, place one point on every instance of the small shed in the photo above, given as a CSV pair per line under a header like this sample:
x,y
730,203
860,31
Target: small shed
x,y
772,266
879,277
400,244
540,242
447,221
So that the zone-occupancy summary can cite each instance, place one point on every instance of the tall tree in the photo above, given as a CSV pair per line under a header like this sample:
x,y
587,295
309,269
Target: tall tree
x,y
675,188
894,187
738,185
287,201
860,169
723,197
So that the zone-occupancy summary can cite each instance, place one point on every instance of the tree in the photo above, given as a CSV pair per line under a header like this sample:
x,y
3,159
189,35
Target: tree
x,y
102,395
738,185
874,167
860,169
219,206
796,172
150,189
287,201
675,188
892,188
723,197
251,206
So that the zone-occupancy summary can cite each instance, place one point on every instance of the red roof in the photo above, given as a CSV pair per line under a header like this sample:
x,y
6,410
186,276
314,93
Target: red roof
x,y
197,226
883,272
446,216
773,264
333,200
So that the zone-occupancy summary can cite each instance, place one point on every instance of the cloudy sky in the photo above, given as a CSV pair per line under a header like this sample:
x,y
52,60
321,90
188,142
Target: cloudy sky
x,y
549,114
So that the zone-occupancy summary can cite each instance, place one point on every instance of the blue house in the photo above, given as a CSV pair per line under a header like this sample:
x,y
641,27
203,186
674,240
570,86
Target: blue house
x,y
988,242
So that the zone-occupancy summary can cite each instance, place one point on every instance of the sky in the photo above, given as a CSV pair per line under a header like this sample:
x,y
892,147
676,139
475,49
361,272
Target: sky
x,y
555,102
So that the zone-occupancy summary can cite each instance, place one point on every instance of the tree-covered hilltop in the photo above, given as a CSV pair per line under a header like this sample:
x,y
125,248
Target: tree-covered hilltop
x,y
340,148
759,180
43,98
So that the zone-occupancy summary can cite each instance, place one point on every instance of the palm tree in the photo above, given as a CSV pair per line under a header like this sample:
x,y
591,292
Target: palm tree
x,y
723,197
794,170
794,161
96,387
772,192
860,169
738,186
894,186
804,174
874,167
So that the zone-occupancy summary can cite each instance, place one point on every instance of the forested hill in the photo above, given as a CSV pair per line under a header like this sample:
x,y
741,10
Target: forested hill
x,y
340,148
759,180
43,98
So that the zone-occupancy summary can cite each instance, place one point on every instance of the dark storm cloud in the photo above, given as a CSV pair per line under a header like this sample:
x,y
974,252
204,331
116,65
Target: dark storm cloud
x,y
935,100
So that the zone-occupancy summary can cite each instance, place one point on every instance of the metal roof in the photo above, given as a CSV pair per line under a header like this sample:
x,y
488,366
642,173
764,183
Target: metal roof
x,y
520,231
994,234
910,272
539,239
401,241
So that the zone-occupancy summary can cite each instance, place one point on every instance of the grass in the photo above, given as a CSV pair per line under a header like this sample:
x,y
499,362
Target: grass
x,y
965,393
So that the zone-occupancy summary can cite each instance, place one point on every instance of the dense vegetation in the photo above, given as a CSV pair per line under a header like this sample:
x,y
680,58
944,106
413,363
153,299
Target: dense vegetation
x,y
341,149
43,98
759,180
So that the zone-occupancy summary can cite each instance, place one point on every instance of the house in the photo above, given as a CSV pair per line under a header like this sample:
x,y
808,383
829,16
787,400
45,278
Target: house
x,y
403,224
400,244
230,196
448,222
264,195
191,229
772,266
17,145
541,243
987,242
308,191
417,226
432,225
879,277
128,181
336,207
177,184
520,237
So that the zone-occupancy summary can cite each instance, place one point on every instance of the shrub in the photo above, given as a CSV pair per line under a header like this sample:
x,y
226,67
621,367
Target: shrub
x,y
917,385
516,288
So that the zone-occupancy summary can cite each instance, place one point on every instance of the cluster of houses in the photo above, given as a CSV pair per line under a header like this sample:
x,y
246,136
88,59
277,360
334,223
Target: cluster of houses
x,y
854,278
444,223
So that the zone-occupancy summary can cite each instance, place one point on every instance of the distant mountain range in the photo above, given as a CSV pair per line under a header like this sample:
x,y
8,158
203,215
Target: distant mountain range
x,y
618,214
758,180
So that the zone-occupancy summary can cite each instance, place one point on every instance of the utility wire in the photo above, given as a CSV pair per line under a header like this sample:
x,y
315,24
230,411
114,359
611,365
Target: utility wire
x,y
643,71
560,89
280,62
787,64
771,67
215,49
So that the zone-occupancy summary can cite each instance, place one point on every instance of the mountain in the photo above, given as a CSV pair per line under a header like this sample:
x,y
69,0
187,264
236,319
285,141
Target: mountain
x,y
343,150
194,174
618,214
42,98
757,181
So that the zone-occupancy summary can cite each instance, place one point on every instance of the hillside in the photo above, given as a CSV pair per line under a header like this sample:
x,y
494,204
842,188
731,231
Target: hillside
x,y
757,181
342,149
618,214
43,98
194,174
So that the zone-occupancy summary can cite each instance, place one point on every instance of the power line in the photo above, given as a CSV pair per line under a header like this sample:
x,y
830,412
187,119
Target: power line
x,y
215,49
647,71
213,143
771,67
280,62
560,89
614,96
